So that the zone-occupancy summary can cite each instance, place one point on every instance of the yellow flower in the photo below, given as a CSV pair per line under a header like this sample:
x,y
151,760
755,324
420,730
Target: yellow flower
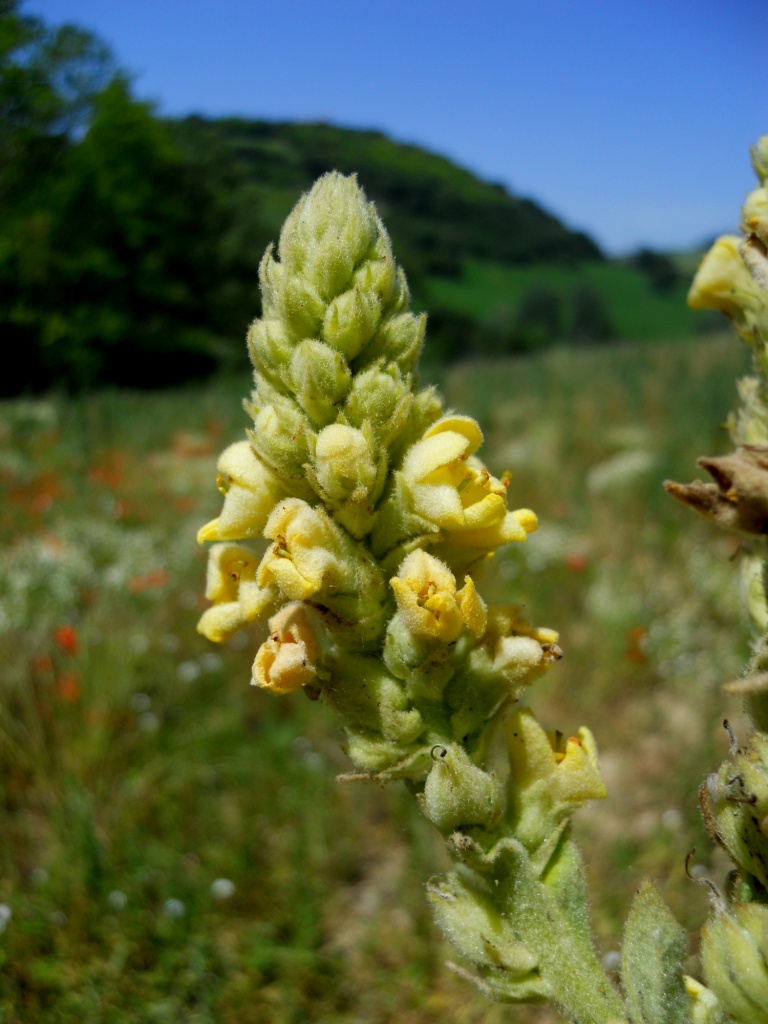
x,y
567,769
451,489
250,490
427,599
288,659
723,282
232,586
309,554
754,214
448,489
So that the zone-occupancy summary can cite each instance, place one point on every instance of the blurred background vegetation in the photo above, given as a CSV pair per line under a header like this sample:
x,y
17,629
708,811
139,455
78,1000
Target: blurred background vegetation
x,y
129,244
175,848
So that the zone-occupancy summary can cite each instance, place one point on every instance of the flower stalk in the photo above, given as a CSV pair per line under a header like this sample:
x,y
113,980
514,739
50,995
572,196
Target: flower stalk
x,y
358,517
733,278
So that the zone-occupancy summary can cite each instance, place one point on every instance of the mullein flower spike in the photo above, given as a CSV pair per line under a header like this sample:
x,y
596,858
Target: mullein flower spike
x,y
733,278
356,516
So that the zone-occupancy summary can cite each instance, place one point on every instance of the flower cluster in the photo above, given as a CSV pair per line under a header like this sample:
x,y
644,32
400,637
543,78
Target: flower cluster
x,y
358,516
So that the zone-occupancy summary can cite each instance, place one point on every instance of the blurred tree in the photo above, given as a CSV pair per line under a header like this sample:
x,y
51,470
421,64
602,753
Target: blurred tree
x,y
122,258
538,320
112,265
661,272
49,79
452,336
589,317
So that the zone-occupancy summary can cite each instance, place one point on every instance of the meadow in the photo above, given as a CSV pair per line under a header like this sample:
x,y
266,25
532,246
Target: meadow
x,y
175,845
637,311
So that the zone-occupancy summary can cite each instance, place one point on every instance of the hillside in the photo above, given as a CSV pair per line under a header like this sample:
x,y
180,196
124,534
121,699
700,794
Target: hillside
x,y
129,253
438,213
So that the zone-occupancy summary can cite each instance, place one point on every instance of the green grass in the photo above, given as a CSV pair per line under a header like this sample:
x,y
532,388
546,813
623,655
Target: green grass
x,y
139,766
636,309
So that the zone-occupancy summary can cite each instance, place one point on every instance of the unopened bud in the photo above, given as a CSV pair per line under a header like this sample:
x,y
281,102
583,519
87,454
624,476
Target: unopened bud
x,y
320,379
734,954
381,397
458,794
350,321
735,806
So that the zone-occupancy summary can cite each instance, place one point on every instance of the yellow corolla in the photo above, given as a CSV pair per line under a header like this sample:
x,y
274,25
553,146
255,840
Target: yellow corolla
x,y
723,282
232,586
250,490
446,487
429,603
452,489
566,769
288,659
309,554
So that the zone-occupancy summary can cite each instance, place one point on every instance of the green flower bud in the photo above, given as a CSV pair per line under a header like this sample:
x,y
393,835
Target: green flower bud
x,y
280,436
320,378
382,397
365,695
329,232
378,274
271,275
350,321
385,759
400,299
300,306
270,348
458,794
346,475
735,806
470,919
398,339
734,954
426,408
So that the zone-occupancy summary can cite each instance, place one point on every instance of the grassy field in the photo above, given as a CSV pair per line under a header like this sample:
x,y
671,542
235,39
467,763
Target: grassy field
x,y
175,846
637,311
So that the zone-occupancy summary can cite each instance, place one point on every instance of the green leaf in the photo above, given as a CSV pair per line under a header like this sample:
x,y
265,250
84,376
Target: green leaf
x,y
545,921
652,962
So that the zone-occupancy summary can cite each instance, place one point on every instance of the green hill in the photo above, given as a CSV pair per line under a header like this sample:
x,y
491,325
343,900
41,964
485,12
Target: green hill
x,y
438,214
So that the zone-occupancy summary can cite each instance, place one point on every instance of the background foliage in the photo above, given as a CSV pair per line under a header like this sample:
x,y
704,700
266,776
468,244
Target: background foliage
x,y
127,240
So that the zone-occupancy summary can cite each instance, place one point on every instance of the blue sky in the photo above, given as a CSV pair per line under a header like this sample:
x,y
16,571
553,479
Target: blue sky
x,y
630,120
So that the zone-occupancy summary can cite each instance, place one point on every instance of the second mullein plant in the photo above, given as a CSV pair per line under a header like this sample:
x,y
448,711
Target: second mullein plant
x,y
357,518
